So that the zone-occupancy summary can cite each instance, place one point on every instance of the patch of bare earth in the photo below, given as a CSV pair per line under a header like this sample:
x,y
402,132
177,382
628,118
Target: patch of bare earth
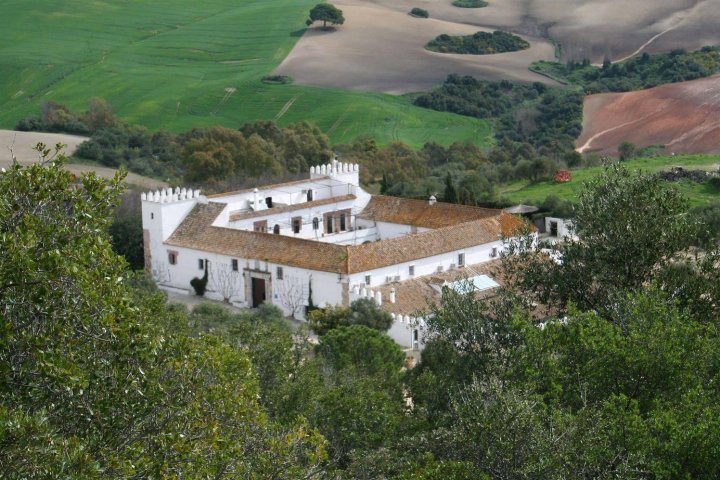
x,y
381,48
684,117
22,144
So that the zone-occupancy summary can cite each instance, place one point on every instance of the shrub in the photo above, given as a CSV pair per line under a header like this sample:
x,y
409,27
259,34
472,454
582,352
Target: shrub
x,y
480,43
470,3
277,79
563,176
200,284
419,12
363,311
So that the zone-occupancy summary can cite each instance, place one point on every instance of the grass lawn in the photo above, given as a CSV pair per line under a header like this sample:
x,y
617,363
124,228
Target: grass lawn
x,y
178,64
698,194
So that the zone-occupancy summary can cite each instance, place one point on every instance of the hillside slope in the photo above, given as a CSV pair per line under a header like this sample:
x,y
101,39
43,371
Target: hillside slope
x,y
178,64
684,117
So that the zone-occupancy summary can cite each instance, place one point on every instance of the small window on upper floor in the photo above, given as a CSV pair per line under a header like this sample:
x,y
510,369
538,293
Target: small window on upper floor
x,y
461,259
234,265
201,264
316,223
368,279
309,195
276,229
172,258
411,270
279,273
152,215
296,224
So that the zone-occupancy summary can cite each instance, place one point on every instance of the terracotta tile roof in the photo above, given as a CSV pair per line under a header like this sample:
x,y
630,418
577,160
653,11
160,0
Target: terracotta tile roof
x,y
415,296
196,232
420,213
369,256
290,208
267,187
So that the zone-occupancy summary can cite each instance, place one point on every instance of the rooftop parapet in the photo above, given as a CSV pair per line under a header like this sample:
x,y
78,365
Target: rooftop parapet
x,y
345,172
168,195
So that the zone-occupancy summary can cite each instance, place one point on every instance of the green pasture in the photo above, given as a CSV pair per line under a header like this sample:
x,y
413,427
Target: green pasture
x,y
698,194
178,64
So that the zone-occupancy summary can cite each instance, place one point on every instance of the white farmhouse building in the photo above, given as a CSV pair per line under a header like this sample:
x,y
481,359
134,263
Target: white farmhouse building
x,y
325,238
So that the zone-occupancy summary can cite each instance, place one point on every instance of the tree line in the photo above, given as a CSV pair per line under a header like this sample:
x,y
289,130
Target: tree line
x,y
637,73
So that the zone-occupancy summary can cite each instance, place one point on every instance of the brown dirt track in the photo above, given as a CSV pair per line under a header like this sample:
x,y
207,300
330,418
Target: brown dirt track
x,y
685,117
380,47
23,143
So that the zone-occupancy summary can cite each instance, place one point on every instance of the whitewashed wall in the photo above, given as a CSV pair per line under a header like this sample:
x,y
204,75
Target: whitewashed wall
x,y
564,226
288,294
428,265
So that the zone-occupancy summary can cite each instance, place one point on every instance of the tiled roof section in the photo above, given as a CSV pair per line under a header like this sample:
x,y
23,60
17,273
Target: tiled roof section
x,y
290,208
415,296
267,187
369,256
196,232
420,213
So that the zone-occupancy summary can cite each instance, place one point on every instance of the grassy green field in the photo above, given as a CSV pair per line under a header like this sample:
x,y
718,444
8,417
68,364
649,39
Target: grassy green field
x,y
178,64
698,194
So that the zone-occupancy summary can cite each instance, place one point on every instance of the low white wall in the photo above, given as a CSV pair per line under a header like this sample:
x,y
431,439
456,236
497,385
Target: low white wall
x,y
429,265
290,294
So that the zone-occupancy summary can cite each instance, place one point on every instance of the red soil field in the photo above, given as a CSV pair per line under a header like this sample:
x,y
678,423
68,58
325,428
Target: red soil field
x,y
684,117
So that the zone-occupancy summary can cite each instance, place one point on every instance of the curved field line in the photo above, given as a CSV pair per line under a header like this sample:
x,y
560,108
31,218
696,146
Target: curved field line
x,y
586,145
646,44
679,22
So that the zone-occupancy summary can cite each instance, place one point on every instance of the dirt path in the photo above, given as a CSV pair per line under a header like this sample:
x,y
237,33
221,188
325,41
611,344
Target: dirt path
x,y
22,144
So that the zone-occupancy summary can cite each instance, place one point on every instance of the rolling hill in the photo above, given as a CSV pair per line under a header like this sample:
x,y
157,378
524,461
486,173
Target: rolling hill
x,y
178,64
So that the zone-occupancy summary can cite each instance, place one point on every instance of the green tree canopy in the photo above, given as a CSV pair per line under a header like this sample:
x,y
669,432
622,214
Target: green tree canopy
x,y
326,13
98,380
628,225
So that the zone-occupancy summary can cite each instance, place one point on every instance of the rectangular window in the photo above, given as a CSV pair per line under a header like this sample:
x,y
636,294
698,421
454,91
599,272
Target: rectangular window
x,y
234,264
296,224
329,224
280,273
411,270
201,264
343,227
172,258
461,259
368,278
